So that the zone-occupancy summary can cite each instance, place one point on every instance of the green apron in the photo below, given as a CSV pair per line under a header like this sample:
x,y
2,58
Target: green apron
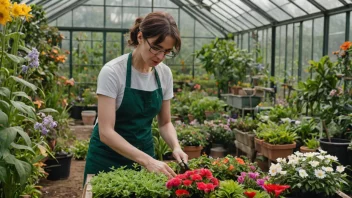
x,y
133,122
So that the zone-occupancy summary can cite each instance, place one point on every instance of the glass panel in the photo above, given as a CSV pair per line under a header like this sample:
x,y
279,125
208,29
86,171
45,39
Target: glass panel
x,y
186,53
279,14
240,41
245,41
307,6
144,11
113,45
289,53
129,17
94,2
251,19
280,2
265,5
58,6
114,2
242,5
130,3
293,10
113,17
294,72
318,38
227,9
329,4
164,3
147,3
221,12
172,12
202,31
241,23
53,23
259,17
186,24
306,48
65,20
88,16
280,54
336,33
218,15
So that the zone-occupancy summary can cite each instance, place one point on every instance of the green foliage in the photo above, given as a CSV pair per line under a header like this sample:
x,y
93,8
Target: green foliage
x,y
350,146
130,183
276,134
279,112
312,143
229,189
80,149
90,98
306,129
246,124
213,104
191,135
219,131
160,147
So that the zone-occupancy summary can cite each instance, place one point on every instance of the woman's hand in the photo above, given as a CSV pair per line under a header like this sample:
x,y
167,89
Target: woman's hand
x,y
154,165
179,155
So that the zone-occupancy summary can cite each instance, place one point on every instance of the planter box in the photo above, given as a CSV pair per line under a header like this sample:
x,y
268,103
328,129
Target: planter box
x,y
246,149
240,102
245,138
276,151
258,144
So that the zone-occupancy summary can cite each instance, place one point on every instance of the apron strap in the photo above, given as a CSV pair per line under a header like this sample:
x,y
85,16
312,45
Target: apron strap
x,y
129,71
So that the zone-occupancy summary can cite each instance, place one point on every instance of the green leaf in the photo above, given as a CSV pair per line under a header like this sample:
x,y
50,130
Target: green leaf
x,y
3,174
25,83
23,147
23,168
7,136
4,105
48,110
21,94
24,48
4,91
22,107
24,135
15,59
3,119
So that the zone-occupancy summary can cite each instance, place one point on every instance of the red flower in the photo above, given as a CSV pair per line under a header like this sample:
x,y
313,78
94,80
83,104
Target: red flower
x,y
181,176
201,186
187,182
277,189
181,192
214,181
174,182
196,177
205,173
250,194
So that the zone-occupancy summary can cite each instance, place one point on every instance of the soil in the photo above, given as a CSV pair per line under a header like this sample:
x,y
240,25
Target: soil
x,y
73,186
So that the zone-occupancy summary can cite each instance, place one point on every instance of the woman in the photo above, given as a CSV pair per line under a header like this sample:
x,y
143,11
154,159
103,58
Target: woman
x,y
132,90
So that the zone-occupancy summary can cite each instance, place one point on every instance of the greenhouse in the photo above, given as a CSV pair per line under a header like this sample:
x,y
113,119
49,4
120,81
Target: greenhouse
x,y
175,98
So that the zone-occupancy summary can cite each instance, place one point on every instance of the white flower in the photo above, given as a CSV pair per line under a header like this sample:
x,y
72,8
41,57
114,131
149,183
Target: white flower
x,y
298,154
309,154
297,122
321,157
340,169
333,158
274,169
302,173
283,172
319,174
322,151
281,160
314,163
328,169
293,161
327,161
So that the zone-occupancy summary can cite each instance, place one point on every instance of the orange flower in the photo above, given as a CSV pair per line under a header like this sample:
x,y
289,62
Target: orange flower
x,y
64,102
39,103
55,51
240,161
70,82
43,53
231,167
63,77
346,45
39,164
225,160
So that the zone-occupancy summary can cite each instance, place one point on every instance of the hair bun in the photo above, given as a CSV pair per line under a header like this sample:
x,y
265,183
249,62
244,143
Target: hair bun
x,y
138,21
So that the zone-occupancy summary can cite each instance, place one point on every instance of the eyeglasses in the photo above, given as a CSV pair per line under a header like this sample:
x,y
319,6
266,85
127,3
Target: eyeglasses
x,y
156,51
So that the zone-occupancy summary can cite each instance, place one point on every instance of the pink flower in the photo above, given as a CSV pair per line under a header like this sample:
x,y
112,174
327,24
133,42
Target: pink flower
x,y
196,177
187,182
201,185
240,179
205,173
333,92
214,181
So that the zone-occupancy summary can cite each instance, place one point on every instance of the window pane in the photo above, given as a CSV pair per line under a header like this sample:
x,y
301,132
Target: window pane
x,y
307,6
129,16
242,5
251,19
147,3
266,5
88,16
186,24
130,3
288,70
306,48
114,2
318,38
164,3
293,10
65,20
336,33
172,12
245,41
144,11
259,17
113,45
280,2
294,72
202,31
113,17
330,4
279,14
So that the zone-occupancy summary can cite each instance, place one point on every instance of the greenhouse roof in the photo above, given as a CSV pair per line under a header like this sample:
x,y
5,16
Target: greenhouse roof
x,y
223,16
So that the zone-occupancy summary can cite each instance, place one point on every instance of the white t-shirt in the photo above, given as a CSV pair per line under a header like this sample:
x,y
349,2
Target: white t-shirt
x,y
112,79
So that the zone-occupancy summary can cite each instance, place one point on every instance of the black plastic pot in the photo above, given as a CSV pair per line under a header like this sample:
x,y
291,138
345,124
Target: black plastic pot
x,y
75,112
337,147
58,168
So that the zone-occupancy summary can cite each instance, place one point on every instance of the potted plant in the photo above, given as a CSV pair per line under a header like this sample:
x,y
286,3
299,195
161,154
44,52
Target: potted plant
x,y
305,130
192,138
206,104
309,174
80,149
310,145
278,140
244,130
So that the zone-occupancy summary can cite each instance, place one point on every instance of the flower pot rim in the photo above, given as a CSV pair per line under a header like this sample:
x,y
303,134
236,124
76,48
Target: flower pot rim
x,y
343,143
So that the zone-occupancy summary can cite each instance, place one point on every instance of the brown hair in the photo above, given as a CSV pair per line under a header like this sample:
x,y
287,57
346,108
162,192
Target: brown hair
x,y
159,24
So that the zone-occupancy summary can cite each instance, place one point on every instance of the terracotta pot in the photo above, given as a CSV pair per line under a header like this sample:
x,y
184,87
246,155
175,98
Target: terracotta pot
x,y
88,117
305,149
235,89
217,152
276,151
193,151
190,117
258,144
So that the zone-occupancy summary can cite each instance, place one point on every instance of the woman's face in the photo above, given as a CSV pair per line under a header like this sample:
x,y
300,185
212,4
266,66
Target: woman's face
x,y
154,54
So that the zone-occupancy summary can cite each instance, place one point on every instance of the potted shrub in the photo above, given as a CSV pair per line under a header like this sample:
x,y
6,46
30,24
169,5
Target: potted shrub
x,y
309,174
278,140
206,104
80,149
305,130
192,138
310,145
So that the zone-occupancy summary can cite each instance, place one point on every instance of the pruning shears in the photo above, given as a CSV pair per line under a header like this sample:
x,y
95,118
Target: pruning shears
x,y
184,167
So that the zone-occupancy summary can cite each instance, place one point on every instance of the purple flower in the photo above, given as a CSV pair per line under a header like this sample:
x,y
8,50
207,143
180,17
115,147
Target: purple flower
x,y
37,126
44,131
243,174
33,58
260,182
252,168
260,67
24,69
53,124
34,63
240,179
253,175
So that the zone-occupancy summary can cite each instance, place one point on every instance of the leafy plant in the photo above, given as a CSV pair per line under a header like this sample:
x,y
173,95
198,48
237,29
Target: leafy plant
x,y
219,131
191,135
276,134
89,98
229,189
212,104
80,149
309,173
246,124
122,182
306,129
312,143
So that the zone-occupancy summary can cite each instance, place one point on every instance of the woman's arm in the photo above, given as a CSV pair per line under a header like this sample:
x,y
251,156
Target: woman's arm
x,y
106,115
168,132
